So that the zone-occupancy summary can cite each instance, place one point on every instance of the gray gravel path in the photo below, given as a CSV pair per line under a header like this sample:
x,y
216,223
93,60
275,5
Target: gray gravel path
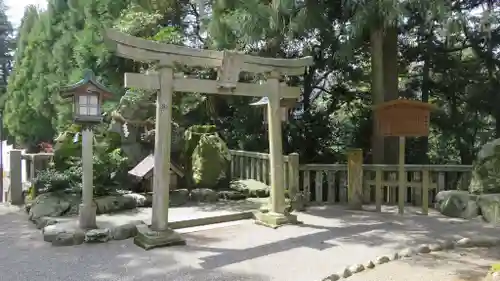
x,y
330,239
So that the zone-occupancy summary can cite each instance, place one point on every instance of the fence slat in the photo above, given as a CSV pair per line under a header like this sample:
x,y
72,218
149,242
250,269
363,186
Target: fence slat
x,y
306,184
378,190
319,187
331,186
311,178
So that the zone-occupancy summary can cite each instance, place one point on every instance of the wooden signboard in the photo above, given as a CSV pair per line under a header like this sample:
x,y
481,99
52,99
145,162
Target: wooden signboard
x,y
402,118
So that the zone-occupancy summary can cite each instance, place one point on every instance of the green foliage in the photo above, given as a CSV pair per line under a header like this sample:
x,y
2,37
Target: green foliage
x,y
110,165
51,180
495,267
452,63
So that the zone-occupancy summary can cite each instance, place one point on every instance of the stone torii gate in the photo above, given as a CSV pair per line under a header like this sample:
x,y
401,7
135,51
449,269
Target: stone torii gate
x,y
229,65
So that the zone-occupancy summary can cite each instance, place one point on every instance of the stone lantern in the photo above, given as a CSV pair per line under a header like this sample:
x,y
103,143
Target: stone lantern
x,y
87,96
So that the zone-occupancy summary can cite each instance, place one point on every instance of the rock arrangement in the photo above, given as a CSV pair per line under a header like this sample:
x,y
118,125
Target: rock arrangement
x,y
66,234
48,206
418,250
52,212
479,195
61,204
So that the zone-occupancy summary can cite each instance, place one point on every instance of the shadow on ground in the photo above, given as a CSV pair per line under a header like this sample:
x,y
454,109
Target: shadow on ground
x,y
334,226
330,239
24,256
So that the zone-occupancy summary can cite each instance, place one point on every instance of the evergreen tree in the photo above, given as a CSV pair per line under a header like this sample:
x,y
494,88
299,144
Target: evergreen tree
x,y
6,51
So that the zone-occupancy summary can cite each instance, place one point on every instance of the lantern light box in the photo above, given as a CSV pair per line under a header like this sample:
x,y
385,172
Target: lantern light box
x,y
286,106
87,96
403,118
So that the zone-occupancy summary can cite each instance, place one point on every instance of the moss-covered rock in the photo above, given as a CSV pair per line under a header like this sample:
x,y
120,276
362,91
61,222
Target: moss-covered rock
x,y
489,206
231,195
58,204
114,203
178,197
210,161
53,204
251,188
486,169
457,204
204,195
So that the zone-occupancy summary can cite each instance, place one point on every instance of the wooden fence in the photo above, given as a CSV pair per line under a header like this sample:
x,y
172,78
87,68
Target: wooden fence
x,y
327,183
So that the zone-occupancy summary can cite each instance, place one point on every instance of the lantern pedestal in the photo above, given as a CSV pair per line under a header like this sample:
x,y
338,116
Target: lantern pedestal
x,y
149,239
87,211
274,220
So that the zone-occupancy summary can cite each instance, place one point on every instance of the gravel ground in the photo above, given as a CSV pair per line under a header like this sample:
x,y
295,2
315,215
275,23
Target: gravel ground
x,y
456,265
330,239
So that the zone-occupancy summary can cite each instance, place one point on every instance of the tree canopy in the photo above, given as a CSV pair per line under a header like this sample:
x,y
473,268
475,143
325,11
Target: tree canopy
x,y
443,52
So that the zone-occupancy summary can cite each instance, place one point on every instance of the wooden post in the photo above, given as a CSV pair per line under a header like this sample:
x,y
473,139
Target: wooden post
x,y
355,179
163,142
275,146
401,176
16,178
378,189
293,174
425,190
87,210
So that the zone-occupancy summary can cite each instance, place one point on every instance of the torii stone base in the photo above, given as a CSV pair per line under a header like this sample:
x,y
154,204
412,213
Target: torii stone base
x,y
274,220
149,239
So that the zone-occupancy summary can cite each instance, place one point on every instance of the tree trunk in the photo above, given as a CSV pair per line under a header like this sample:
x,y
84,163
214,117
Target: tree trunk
x,y
391,90
376,40
424,141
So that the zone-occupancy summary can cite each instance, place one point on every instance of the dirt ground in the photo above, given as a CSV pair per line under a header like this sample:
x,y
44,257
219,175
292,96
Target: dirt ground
x,y
455,265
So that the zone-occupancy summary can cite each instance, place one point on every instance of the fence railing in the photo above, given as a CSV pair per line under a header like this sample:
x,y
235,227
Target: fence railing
x,y
327,183
23,167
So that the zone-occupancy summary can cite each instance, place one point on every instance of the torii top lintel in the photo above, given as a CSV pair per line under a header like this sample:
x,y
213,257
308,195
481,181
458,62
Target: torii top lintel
x,y
138,49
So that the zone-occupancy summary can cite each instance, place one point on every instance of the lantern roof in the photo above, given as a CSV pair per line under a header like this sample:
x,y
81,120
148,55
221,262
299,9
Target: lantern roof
x,y
283,102
88,79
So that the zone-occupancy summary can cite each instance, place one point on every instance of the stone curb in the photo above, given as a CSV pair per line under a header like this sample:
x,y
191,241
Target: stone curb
x,y
211,220
74,236
412,251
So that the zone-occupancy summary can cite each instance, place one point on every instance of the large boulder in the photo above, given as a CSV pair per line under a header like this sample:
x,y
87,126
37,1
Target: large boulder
x,y
251,188
203,195
53,204
178,197
59,204
210,161
486,169
231,195
457,204
114,203
489,206
64,234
